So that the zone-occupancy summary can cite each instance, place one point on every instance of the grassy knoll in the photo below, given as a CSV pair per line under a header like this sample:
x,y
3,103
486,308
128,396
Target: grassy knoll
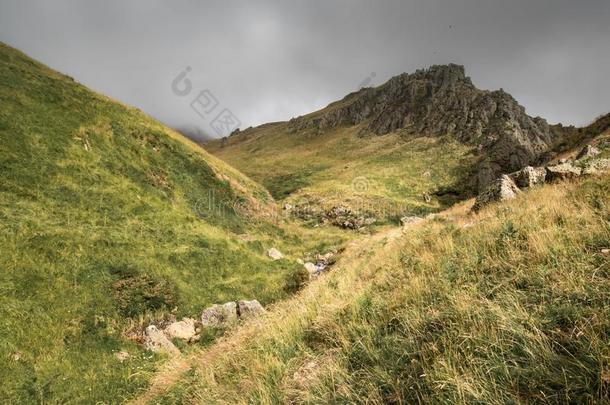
x,y
107,219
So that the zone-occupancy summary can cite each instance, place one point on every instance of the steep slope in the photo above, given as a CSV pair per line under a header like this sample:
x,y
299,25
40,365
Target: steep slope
x,y
417,140
107,220
386,177
509,305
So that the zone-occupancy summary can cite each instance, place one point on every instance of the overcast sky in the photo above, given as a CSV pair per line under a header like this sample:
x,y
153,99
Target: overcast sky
x,y
272,60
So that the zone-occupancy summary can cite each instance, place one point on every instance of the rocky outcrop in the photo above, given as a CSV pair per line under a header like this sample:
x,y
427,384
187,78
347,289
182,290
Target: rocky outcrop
x,y
442,100
219,316
246,309
344,217
184,329
156,341
563,171
596,167
507,186
502,189
159,339
529,176
588,152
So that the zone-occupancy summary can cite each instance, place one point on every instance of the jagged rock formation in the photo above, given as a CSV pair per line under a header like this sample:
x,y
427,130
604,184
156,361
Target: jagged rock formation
x,y
529,176
501,189
442,100
508,186
588,151
563,171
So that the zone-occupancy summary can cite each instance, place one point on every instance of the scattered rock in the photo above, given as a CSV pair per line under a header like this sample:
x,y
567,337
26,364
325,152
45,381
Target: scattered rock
x,y
249,308
344,217
288,207
156,341
122,356
529,176
502,189
562,171
563,161
410,220
325,258
16,356
184,329
427,174
219,316
587,152
275,254
310,267
596,166
427,198
605,252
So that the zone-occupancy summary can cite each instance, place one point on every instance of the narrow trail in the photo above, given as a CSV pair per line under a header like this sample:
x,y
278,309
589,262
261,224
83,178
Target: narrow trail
x,y
359,253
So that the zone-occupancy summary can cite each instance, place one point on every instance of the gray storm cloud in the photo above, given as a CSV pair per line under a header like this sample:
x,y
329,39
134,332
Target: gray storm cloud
x,y
271,60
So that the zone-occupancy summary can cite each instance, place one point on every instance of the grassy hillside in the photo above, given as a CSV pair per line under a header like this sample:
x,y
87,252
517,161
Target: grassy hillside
x,y
510,305
108,218
387,175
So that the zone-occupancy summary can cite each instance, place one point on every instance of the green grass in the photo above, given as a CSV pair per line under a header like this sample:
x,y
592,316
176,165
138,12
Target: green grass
x,y
108,218
513,308
330,168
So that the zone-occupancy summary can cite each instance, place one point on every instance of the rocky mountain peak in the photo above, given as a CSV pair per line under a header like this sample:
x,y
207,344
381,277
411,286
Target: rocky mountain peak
x,y
442,100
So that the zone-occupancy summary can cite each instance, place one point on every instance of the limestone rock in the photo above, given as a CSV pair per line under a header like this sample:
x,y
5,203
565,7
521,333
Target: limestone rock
x,y
529,176
502,189
219,316
310,267
562,171
184,329
587,152
249,308
156,341
344,217
596,166
275,254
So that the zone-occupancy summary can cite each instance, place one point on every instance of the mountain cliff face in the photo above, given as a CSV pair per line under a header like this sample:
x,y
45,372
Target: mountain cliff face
x,y
442,100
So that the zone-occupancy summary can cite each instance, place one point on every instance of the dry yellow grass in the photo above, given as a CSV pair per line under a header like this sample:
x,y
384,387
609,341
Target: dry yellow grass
x,y
510,304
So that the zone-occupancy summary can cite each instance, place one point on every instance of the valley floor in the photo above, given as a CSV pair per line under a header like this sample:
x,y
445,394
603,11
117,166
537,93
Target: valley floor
x,y
510,305
348,280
